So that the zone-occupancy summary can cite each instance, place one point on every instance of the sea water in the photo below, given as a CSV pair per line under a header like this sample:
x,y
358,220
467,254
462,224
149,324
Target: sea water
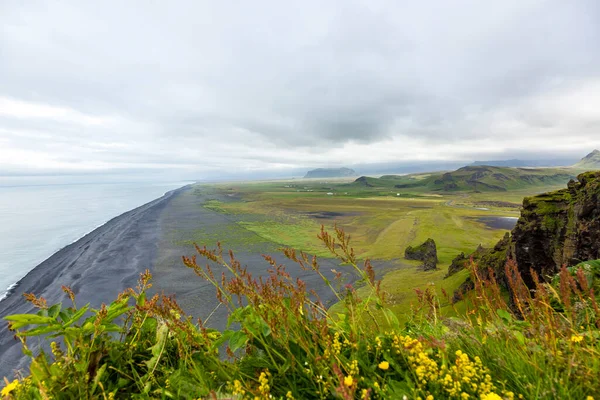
x,y
37,221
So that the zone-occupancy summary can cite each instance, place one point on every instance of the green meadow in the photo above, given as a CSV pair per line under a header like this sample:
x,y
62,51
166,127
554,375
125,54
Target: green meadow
x,y
381,220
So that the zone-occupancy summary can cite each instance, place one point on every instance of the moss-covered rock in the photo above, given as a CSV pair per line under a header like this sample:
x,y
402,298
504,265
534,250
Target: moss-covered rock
x,y
558,228
487,260
555,229
426,252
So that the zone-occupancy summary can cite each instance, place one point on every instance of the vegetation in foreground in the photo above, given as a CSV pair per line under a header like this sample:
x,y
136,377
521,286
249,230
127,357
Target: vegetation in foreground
x,y
288,346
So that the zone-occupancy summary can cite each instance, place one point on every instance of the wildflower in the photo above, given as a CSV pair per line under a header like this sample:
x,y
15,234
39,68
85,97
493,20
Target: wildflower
x,y
430,397
9,388
289,395
589,398
337,345
348,381
384,365
490,396
354,367
576,338
264,384
238,388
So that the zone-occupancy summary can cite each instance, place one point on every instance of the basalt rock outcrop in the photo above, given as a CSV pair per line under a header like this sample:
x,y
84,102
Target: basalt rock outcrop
x,y
462,260
555,229
426,252
558,228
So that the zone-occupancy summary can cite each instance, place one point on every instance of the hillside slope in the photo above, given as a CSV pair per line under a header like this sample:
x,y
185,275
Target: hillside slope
x,y
589,162
474,178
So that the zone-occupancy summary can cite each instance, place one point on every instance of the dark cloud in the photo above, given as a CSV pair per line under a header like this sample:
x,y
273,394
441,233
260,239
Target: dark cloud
x,y
264,84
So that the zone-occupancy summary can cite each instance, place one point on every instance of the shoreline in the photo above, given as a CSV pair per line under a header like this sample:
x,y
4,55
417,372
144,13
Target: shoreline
x,y
153,236
11,288
9,291
100,264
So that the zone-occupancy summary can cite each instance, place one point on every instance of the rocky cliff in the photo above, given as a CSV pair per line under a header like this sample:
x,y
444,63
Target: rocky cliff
x,y
558,228
555,229
426,252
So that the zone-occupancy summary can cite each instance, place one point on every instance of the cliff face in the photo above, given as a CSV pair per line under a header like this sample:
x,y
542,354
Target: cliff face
x,y
558,228
555,229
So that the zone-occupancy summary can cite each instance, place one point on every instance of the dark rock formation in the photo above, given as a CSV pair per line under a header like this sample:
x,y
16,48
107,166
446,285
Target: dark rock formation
x,y
461,261
493,258
426,252
558,228
555,229
464,287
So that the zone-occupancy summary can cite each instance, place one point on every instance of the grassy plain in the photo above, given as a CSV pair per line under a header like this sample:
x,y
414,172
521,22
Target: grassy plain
x,y
381,221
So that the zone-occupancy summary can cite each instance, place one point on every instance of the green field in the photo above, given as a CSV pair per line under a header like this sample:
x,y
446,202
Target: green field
x,y
382,219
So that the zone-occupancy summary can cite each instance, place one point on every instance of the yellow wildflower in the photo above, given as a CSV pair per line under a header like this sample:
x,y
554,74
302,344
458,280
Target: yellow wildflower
x,y
238,388
589,398
348,381
354,370
490,396
384,365
264,383
430,397
576,338
9,388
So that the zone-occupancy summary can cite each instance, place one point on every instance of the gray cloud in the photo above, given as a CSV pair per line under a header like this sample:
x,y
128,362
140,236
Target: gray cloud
x,y
199,86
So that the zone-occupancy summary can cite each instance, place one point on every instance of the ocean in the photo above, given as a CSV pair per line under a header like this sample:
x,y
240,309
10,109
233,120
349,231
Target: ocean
x,y
37,221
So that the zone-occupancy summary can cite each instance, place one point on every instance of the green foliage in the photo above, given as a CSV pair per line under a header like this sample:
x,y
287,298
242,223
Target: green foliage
x,y
287,345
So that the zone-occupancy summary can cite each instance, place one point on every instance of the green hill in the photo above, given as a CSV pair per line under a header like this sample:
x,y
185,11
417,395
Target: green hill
x,y
589,162
473,178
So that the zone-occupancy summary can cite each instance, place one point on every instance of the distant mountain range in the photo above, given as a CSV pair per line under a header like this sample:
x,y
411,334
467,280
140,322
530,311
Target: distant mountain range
x,y
474,178
589,162
330,173
560,162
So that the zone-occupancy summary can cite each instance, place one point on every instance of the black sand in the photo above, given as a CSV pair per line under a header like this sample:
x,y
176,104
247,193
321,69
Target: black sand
x,y
97,267
110,259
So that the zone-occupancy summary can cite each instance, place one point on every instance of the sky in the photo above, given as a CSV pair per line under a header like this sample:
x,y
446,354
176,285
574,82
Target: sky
x,y
194,89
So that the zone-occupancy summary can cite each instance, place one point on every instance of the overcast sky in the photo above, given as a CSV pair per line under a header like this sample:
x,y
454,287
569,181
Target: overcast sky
x,y
196,87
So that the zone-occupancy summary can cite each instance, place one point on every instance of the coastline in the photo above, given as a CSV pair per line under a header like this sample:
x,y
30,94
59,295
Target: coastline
x,y
154,236
99,265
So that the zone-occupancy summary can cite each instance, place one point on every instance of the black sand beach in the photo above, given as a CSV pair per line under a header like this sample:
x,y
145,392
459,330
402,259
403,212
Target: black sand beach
x,y
110,259
97,267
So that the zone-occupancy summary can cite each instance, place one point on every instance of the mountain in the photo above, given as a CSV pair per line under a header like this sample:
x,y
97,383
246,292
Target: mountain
x,y
330,173
589,162
525,163
473,178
